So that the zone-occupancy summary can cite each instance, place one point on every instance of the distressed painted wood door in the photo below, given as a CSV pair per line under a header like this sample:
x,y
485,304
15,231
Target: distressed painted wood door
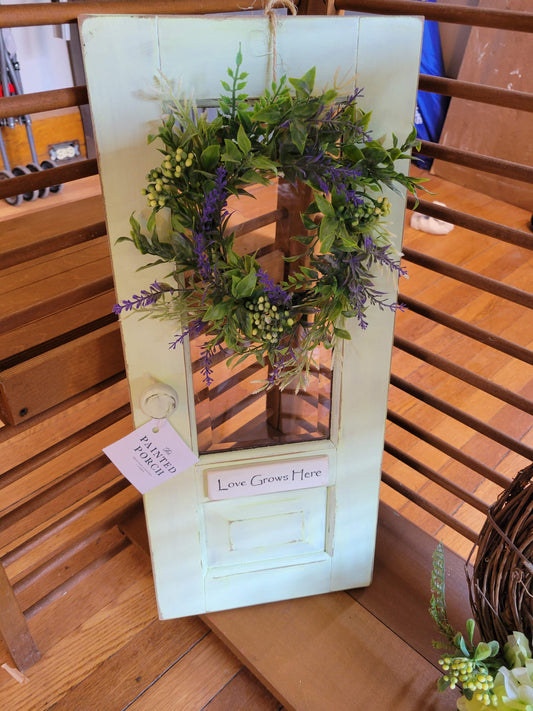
x,y
213,554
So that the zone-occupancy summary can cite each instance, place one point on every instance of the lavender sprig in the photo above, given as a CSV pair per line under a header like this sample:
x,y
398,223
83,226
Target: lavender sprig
x,y
275,293
142,300
194,329
207,370
213,214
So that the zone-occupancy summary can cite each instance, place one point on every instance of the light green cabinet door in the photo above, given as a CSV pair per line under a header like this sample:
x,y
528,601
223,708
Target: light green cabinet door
x,y
213,554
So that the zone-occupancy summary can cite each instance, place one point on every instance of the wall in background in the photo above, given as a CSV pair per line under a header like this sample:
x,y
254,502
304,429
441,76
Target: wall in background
x,y
43,57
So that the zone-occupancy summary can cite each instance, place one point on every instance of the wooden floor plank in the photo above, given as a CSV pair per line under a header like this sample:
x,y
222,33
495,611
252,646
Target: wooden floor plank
x,y
74,657
185,685
133,669
243,693
61,618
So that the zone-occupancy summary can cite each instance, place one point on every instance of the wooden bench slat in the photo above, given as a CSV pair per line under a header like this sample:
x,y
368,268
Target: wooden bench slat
x,y
40,269
99,513
27,521
38,234
30,229
32,335
31,387
30,488
42,298
55,576
62,427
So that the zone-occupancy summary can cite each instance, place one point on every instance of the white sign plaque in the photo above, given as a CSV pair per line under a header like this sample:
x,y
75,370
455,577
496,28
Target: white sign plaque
x,y
267,478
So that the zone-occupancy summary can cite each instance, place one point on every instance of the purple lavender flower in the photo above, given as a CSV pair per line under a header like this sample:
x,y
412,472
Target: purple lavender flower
x,y
361,292
382,255
142,300
207,370
328,175
213,212
275,293
194,329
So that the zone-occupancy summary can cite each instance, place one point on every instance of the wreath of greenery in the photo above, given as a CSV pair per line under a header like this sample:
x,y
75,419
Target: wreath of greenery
x,y
289,133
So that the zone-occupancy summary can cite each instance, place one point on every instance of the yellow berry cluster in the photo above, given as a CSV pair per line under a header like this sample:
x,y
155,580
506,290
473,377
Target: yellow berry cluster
x,y
465,671
269,321
158,178
371,210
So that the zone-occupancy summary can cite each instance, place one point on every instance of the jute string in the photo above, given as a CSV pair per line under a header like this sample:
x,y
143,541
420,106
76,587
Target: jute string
x,y
272,16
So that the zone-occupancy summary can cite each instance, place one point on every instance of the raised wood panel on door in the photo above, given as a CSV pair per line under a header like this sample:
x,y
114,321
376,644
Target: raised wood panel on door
x,y
334,528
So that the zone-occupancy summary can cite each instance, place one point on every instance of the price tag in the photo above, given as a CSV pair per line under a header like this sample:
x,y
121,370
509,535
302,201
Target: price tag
x,y
150,455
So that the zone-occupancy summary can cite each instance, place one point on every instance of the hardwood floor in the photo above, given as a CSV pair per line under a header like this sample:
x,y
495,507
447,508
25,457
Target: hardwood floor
x,y
103,647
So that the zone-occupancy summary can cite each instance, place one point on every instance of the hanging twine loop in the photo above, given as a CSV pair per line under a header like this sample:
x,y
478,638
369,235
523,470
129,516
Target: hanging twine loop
x,y
270,13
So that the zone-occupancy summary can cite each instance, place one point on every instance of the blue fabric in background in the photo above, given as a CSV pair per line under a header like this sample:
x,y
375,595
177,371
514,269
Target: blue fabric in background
x,y
430,108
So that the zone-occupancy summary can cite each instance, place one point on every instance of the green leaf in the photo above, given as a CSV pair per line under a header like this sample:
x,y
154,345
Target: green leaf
x,y
243,140
298,133
483,651
243,288
329,96
232,154
459,642
308,223
210,156
494,648
327,233
305,111
264,163
304,86
310,273
217,311
470,627
342,333
309,78
150,223
269,114
353,152
324,206
443,684
250,177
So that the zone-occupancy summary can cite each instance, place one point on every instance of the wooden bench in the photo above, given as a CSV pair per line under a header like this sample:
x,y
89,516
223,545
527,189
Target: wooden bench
x,y
63,397
64,508
57,297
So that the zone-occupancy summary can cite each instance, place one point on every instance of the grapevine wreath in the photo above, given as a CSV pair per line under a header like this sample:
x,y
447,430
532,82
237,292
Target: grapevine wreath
x,y
317,139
